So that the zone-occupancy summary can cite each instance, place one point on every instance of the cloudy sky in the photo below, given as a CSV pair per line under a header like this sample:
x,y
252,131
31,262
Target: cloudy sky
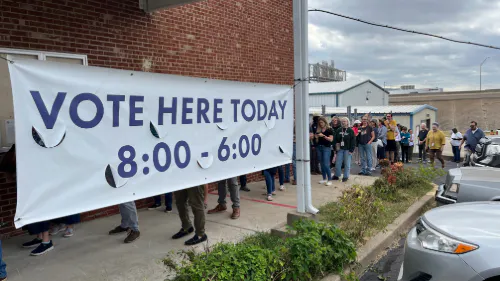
x,y
397,58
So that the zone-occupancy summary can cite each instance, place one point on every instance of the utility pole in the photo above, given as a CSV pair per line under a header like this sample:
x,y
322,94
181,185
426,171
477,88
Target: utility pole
x,y
481,74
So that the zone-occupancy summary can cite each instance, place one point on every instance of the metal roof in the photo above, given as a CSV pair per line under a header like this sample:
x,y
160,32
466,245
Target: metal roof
x,y
410,109
338,87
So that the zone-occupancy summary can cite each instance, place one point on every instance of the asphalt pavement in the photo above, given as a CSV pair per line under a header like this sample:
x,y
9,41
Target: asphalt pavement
x,y
387,268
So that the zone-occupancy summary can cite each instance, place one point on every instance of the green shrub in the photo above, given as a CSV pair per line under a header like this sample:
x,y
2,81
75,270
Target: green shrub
x,y
315,249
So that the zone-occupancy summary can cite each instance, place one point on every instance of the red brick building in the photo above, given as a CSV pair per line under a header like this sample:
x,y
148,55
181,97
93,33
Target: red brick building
x,y
243,40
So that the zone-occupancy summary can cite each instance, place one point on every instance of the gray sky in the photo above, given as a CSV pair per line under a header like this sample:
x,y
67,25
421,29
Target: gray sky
x,y
396,58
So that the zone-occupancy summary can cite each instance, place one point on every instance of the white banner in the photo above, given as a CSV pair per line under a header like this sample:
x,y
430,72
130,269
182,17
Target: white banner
x,y
89,137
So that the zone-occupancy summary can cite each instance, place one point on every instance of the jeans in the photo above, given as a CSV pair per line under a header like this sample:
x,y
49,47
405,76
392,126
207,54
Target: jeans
x,y
422,155
129,216
234,191
343,156
324,153
195,196
243,180
374,154
3,272
69,220
365,151
38,227
404,153
269,176
281,175
456,153
168,200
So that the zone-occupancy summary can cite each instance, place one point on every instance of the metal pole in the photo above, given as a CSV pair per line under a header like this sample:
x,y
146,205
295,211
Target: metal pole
x,y
481,74
300,19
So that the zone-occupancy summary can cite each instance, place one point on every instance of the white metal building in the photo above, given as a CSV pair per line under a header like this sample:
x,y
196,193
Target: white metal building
x,y
410,116
338,94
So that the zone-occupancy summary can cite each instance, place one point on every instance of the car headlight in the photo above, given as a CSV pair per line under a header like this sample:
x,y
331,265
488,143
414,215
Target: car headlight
x,y
454,187
433,240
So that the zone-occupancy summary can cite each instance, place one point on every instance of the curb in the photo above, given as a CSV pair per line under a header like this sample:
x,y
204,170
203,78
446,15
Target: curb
x,y
382,240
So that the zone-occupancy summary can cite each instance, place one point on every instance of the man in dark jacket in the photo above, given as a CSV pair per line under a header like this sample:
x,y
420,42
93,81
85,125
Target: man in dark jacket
x,y
472,137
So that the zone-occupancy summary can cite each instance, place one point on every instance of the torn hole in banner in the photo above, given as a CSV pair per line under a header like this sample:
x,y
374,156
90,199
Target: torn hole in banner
x,y
112,177
49,138
222,126
157,131
206,160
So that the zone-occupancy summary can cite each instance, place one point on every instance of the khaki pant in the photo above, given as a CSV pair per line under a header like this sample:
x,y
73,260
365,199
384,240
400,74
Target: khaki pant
x,y
195,196
436,153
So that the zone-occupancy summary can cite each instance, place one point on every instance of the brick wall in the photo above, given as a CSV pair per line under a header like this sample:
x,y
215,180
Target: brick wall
x,y
243,40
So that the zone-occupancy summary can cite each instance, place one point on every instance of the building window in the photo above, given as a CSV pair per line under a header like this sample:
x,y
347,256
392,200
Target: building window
x,y
6,102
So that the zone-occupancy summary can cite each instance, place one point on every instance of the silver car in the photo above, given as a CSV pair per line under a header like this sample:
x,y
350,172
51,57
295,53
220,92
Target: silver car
x,y
469,184
459,242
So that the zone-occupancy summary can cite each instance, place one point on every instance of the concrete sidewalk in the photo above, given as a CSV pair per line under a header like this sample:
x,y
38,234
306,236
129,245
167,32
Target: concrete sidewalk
x,y
91,254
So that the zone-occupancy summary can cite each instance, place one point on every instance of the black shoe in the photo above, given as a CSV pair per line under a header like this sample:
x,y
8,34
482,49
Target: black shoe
x,y
154,206
117,230
33,243
245,188
196,240
335,178
362,174
42,249
168,210
182,233
345,179
132,236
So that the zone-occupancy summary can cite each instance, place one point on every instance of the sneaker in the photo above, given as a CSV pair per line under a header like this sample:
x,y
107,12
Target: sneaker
x,y
322,181
345,179
57,228
282,188
182,233
218,209
328,183
294,182
372,169
43,248
117,230
235,214
273,193
132,236
335,178
33,243
378,166
245,188
269,198
168,210
196,240
69,232
154,206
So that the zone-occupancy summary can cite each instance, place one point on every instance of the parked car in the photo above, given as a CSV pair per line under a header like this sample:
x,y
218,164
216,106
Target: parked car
x,y
469,184
457,242
487,153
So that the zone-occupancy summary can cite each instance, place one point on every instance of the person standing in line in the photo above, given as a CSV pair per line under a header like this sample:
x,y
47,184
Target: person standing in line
x,y
422,138
472,136
412,145
365,139
456,137
382,135
345,142
195,197
335,125
436,141
42,242
243,183
324,139
355,155
391,147
130,222
157,203
397,153
405,145
281,177
270,185
223,186
314,155
374,125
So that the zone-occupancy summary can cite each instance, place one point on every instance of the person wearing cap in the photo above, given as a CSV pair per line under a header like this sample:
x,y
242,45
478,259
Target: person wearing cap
x,y
435,143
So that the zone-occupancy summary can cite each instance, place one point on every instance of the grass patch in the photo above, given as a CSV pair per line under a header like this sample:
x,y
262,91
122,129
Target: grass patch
x,y
362,211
